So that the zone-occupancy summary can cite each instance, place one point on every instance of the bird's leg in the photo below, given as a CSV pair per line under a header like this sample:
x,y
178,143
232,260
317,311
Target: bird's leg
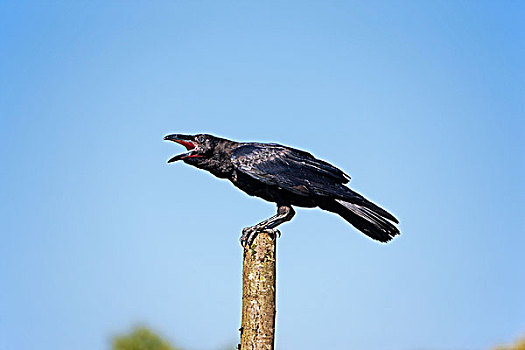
x,y
284,213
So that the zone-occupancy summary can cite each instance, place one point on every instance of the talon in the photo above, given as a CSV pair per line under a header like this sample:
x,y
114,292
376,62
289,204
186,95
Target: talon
x,y
244,236
251,237
248,236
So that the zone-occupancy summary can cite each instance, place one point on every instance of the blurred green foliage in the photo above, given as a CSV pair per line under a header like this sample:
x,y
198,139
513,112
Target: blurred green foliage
x,y
141,338
518,345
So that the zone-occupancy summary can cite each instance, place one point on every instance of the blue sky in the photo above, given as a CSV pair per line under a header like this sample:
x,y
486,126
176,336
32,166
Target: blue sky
x,y
422,103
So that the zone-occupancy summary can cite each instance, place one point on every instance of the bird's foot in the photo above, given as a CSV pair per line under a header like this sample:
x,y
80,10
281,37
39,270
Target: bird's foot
x,y
250,233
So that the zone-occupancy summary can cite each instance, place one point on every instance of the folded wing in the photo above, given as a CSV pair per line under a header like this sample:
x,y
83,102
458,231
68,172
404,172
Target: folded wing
x,y
293,170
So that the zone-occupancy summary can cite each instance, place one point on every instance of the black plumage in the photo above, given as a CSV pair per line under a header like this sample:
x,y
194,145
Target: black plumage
x,y
286,176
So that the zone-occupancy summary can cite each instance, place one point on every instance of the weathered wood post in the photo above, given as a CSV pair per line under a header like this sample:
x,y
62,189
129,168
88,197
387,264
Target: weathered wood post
x,y
258,294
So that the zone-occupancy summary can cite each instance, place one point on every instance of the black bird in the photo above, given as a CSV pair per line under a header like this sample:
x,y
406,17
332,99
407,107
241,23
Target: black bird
x,y
286,176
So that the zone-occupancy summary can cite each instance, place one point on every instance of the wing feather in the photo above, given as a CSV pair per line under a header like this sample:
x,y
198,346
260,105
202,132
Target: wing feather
x,y
291,169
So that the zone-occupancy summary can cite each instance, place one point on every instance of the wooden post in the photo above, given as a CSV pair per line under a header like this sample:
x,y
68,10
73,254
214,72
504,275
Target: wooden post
x,y
258,294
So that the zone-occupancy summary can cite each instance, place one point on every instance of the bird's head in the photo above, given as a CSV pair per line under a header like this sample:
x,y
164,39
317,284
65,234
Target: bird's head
x,y
198,146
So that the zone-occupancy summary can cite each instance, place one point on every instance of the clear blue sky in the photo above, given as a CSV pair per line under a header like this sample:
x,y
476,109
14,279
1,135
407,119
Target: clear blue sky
x,y
422,103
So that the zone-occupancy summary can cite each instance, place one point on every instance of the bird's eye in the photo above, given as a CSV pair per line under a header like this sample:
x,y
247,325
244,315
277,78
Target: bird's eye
x,y
201,139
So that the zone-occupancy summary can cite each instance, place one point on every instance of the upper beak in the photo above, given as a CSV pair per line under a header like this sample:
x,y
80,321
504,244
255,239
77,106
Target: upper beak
x,y
177,137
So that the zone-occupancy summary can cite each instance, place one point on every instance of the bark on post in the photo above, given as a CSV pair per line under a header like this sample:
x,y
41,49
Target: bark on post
x,y
258,294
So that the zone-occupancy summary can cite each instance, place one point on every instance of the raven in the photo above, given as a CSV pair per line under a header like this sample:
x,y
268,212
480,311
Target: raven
x,y
286,176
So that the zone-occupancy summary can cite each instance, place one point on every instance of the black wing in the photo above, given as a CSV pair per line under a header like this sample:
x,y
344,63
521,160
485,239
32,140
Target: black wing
x,y
290,169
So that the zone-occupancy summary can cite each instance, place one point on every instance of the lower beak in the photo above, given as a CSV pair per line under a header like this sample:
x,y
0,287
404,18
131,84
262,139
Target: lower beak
x,y
179,157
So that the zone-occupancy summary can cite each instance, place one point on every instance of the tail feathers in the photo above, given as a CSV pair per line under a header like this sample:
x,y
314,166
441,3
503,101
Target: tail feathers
x,y
357,199
367,219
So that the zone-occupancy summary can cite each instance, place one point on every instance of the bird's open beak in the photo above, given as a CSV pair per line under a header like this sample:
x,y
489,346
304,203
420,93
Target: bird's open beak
x,y
186,141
